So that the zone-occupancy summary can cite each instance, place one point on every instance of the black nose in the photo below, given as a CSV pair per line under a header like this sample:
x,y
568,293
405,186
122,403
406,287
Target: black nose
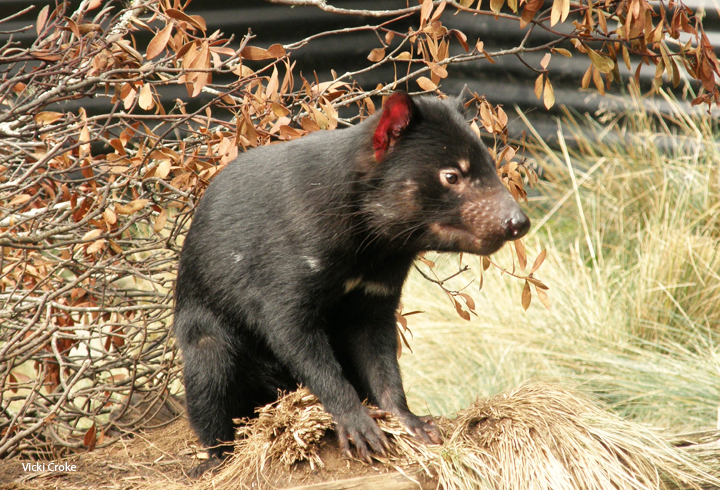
x,y
516,226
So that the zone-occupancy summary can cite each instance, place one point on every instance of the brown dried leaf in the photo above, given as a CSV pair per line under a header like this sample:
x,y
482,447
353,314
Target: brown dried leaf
x,y
89,438
290,133
438,11
468,300
626,57
273,85
163,169
686,24
462,39
597,79
276,51
520,250
91,235
42,19
73,27
13,383
157,44
539,83
48,117
96,246
438,70
545,61
160,222
131,207
115,247
486,117
427,262
426,84
526,296
401,320
538,261
602,22
127,94
109,216
425,10
587,76
279,110
376,55
485,263
563,52
401,337
602,62
549,95
21,199
496,6
543,297
560,11
476,129
508,154
462,313
183,17
145,100
389,36
255,53
502,117
201,61
309,125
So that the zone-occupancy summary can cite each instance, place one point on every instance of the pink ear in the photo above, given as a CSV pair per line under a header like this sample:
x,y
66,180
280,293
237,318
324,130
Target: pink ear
x,y
396,115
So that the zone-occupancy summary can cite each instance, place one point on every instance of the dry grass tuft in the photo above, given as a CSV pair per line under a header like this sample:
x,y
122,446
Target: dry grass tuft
x,y
288,430
292,430
539,436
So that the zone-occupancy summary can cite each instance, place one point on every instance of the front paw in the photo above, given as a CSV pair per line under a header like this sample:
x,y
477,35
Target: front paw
x,y
361,430
424,428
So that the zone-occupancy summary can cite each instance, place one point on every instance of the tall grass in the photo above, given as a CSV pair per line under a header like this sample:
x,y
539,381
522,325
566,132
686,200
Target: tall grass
x,y
635,291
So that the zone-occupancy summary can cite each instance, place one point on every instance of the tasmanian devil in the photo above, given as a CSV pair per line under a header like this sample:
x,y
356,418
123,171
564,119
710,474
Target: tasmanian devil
x,y
292,269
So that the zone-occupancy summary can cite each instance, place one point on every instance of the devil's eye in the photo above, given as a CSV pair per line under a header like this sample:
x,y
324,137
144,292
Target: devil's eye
x,y
451,178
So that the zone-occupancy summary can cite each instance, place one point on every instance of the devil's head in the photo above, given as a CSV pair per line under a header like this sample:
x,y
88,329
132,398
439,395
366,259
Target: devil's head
x,y
434,185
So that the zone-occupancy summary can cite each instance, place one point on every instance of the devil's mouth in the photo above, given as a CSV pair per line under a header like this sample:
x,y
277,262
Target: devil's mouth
x,y
459,239
456,233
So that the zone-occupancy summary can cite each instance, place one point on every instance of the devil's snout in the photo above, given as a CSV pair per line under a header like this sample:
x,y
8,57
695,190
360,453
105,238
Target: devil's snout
x,y
517,225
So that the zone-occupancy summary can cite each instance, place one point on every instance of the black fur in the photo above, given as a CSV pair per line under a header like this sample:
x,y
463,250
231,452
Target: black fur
x,y
293,267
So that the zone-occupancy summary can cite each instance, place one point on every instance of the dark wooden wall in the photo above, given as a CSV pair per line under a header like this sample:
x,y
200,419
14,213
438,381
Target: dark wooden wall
x,y
506,82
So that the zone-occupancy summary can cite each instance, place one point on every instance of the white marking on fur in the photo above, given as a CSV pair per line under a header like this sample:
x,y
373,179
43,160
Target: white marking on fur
x,y
351,284
312,262
237,256
464,165
377,288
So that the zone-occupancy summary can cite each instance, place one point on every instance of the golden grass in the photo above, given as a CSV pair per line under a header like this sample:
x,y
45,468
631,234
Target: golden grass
x,y
539,436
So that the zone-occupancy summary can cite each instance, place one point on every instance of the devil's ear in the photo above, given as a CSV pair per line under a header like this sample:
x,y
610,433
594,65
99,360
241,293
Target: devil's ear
x,y
464,101
396,115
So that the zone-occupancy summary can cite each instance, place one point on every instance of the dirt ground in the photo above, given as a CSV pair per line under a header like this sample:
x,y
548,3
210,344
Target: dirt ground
x,y
160,459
